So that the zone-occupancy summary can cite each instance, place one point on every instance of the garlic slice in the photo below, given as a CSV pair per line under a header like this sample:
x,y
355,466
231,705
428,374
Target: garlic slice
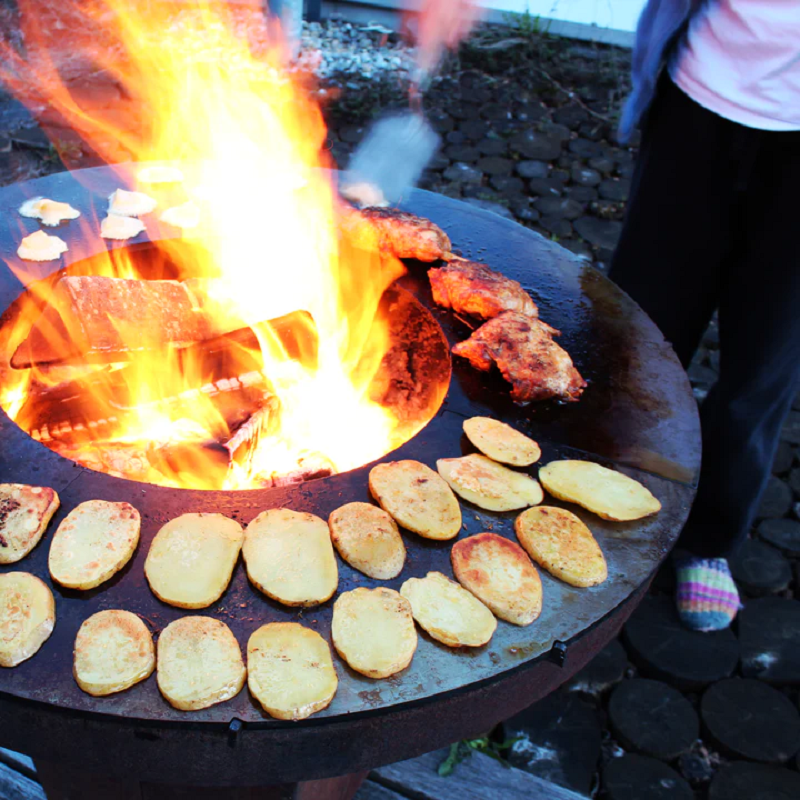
x,y
183,216
40,246
130,204
50,212
159,174
116,227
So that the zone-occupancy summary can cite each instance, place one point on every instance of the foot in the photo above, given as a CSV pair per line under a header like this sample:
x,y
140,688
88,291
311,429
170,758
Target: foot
x,y
706,594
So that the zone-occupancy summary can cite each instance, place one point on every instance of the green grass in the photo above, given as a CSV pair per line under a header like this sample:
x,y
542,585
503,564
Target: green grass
x,y
459,751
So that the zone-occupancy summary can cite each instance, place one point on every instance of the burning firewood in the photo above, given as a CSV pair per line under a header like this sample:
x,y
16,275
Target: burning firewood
x,y
95,319
90,314
100,408
171,459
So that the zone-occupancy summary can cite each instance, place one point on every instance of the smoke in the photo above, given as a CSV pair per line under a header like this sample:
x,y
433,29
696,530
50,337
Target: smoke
x,y
441,25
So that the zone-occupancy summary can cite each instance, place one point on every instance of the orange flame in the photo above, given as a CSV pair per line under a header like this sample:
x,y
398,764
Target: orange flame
x,y
209,91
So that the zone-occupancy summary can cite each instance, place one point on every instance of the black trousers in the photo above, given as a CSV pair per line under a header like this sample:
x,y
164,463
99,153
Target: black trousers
x,y
713,222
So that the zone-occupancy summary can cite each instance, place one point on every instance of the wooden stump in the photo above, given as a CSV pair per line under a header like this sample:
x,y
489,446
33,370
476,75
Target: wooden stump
x,y
664,649
744,781
652,718
760,569
634,777
783,533
748,719
769,637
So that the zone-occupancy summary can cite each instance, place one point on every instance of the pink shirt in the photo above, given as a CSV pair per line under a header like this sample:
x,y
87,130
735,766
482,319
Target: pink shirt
x,y
741,60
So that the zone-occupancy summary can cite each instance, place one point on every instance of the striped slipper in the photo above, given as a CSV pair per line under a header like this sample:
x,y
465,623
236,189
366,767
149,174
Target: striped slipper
x,y
706,594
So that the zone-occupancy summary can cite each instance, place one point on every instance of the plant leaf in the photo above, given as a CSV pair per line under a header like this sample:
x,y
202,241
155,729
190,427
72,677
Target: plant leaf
x,y
449,764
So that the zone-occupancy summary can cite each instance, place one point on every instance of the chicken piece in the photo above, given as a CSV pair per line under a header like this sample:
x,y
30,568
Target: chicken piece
x,y
527,357
471,288
405,235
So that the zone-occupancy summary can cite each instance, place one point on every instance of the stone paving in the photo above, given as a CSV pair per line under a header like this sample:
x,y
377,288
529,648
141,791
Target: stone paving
x,y
528,132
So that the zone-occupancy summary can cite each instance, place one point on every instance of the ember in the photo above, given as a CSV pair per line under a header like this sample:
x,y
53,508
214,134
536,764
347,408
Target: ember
x,y
262,352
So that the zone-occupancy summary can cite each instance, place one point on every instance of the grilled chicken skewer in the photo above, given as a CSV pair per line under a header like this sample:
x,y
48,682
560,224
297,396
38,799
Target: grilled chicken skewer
x,y
400,234
471,288
527,357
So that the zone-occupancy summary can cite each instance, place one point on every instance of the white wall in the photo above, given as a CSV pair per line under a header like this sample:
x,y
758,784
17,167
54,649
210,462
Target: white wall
x,y
609,21
620,15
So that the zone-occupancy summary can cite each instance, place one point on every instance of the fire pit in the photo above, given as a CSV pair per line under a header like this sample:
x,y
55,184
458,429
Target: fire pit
x,y
209,415
637,414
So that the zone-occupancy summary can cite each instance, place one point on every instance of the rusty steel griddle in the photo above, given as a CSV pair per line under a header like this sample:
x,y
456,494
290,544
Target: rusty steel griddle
x,y
637,414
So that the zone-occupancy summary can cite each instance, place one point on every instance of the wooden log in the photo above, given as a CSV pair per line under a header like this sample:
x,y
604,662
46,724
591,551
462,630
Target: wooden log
x,y
90,315
94,319
101,407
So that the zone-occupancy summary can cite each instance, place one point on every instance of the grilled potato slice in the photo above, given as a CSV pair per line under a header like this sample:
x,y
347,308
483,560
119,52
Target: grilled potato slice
x,y
367,538
373,631
417,498
448,612
290,670
192,558
289,557
558,541
27,616
500,574
605,492
93,542
501,442
25,512
113,651
488,484
199,663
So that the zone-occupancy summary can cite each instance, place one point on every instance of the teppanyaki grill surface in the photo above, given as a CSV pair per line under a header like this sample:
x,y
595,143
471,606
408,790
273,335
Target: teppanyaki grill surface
x,y
638,414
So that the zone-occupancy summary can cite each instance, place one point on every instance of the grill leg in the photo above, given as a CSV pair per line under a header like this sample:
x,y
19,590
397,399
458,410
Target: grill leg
x,y
63,783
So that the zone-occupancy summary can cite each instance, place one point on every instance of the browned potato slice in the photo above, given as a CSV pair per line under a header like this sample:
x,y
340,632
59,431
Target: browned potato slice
x,y
501,442
25,512
27,616
488,484
290,670
448,612
113,651
367,538
499,574
199,663
417,498
558,541
192,558
93,542
373,631
289,557
607,493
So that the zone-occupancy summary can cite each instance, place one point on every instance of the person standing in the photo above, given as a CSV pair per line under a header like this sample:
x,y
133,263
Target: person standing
x,y
710,226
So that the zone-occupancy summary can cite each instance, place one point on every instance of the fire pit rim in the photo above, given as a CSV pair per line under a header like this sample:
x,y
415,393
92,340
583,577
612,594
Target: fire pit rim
x,y
10,198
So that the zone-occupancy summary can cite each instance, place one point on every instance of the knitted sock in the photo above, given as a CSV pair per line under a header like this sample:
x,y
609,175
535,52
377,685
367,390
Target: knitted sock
x,y
706,594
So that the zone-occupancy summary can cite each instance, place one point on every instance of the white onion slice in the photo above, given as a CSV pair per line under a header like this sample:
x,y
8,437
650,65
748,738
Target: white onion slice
x,y
40,246
130,204
50,212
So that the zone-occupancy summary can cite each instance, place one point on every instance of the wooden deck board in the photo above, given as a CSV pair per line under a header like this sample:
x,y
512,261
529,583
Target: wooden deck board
x,y
477,778
374,791
15,786
18,762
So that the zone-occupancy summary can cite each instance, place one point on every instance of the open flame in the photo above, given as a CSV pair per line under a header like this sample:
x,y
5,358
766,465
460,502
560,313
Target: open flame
x,y
250,139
